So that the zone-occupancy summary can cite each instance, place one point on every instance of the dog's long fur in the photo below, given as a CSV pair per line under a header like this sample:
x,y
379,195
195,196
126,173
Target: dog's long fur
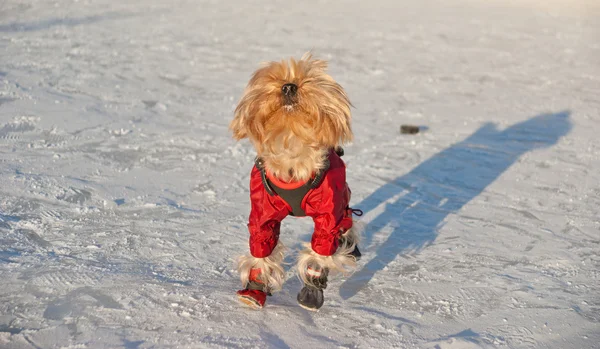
x,y
272,273
340,262
293,140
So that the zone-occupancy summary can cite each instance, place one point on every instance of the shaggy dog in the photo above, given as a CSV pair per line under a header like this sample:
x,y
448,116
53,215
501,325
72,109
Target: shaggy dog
x,y
297,117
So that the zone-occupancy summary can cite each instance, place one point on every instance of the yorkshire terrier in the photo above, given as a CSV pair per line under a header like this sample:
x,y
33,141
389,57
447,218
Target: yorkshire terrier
x,y
297,117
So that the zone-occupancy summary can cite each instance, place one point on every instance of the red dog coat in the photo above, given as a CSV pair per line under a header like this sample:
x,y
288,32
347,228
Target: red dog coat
x,y
327,204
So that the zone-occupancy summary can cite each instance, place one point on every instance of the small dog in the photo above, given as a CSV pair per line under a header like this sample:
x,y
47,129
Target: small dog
x,y
297,117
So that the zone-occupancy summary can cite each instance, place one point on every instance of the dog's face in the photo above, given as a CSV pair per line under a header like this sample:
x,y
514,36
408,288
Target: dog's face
x,y
292,105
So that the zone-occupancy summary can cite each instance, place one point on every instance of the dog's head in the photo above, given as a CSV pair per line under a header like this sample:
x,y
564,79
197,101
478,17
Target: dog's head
x,y
291,106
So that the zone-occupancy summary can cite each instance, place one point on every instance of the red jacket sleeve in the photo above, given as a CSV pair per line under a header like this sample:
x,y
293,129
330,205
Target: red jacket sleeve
x,y
266,214
327,206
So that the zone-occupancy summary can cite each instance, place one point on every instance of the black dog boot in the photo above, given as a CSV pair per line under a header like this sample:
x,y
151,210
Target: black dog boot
x,y
310,296
356,253
347,239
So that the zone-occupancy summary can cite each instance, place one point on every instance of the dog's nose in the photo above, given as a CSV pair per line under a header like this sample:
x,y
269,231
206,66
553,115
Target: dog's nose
x,y
289,90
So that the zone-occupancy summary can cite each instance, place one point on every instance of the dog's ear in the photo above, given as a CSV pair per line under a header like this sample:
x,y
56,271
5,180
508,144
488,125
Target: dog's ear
x,y
243,113
246,108
238,125
334,107
339,130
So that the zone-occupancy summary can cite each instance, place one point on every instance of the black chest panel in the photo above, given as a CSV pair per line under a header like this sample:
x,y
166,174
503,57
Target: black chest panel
x,y
293,197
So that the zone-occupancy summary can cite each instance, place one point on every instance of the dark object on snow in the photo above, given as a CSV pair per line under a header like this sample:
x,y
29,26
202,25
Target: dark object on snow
x,y
409,129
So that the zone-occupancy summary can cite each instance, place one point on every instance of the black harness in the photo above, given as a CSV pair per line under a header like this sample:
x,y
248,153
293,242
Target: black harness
x,y
294,197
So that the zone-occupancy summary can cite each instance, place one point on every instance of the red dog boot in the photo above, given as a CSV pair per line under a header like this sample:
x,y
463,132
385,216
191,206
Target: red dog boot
x,y
256,292
253,298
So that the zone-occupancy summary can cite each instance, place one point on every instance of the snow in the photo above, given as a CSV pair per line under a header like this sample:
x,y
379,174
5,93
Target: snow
x,y
123,198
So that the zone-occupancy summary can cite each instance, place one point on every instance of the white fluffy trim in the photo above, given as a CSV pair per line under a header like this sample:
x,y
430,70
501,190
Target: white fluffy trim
x,y
272,273
341,261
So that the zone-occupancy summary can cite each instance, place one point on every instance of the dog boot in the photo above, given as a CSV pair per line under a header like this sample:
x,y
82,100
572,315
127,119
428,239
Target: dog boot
x,y
310,296
256,292
356,253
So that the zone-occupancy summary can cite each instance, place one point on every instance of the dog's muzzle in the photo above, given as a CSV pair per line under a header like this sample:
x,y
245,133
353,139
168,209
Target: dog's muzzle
x,y
289,93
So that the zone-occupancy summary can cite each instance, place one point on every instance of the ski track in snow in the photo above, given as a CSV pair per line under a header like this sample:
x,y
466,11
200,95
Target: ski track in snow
x,y
123,198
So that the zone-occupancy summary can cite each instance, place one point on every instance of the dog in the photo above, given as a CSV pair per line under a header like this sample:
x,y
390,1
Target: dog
x,y
297,117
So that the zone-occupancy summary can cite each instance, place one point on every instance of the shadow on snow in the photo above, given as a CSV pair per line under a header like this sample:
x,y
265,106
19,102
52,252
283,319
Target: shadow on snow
x,y
442,185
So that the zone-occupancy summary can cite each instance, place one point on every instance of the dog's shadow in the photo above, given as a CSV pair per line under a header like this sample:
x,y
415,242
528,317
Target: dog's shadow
x,y
442,185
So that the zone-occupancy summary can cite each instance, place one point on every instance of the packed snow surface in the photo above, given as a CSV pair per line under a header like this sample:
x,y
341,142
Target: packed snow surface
x,y
124,200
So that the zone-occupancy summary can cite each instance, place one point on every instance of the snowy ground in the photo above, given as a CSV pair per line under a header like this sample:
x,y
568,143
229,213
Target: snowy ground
x,y
123,199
